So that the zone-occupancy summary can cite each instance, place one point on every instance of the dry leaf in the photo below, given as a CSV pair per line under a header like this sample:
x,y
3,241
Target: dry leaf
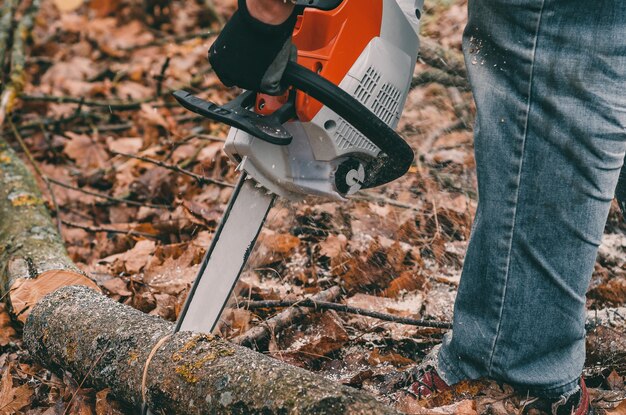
x,y
152,116
274,247
117,286
615,381
407,281
618,410
375,359
333,246
128,145
137,257
85,151
6,329
107,406
319,338
12,399
68,5
104,7
133,260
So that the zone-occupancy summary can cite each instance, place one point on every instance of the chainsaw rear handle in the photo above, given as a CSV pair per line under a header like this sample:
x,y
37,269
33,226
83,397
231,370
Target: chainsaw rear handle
x,y
398,155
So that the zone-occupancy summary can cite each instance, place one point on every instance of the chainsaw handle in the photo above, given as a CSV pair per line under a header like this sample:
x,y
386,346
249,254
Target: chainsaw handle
x,y
319,4
398,155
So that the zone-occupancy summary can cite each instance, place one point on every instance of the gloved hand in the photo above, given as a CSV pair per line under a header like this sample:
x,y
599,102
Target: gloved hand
x,y
251,54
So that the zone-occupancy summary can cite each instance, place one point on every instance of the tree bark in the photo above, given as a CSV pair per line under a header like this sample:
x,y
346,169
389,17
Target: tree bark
x,y
109,343
33,259
17,75
6,20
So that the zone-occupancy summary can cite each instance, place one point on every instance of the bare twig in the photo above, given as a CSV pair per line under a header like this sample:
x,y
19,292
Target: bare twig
x,y
324,305
372,197
95,229
426,145
461,107
441,77
80,385
107,197
112,105
444,59
173,39
283,319
199,178
210,8
161,75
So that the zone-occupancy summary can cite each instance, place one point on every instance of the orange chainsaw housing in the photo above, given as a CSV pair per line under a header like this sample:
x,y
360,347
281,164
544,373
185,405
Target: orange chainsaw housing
x,y
329,43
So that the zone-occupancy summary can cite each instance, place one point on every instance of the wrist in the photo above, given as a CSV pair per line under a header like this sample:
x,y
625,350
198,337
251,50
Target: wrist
x,y
273,12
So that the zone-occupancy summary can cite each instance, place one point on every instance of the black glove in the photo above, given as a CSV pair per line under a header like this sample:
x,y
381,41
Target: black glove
x,y
251,54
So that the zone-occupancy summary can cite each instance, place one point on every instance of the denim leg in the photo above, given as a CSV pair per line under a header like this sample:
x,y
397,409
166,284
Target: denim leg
x,y
548,78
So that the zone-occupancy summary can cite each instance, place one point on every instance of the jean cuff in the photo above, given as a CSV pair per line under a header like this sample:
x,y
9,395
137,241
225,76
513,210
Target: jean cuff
x,y
446,370
558,392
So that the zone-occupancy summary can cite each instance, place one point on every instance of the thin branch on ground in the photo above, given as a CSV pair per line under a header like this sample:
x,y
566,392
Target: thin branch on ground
x,y
96,229
80,385
209,6
107,197
427,144
440,77
161,76
324,305
174,39
199,178
282,320
445,59
372,197
113,105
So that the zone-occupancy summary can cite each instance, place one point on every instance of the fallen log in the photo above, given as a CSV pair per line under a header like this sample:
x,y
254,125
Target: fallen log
x,y
17,75
33,259
6,20
114,346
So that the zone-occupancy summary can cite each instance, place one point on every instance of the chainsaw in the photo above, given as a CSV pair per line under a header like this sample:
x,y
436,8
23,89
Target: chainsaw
x,y
330,135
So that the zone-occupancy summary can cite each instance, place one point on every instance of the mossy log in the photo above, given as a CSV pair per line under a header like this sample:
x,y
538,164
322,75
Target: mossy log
x,y
17,75
108,344
6,20
33,259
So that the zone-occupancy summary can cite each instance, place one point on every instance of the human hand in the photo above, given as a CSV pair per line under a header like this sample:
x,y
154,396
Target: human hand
x,y
255,45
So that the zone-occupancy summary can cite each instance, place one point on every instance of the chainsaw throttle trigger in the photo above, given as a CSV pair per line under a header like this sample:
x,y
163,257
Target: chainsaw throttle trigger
x,y
319,4
236,114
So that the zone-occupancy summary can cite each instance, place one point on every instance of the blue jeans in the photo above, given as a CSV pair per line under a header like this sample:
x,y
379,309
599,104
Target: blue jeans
x,y
549,81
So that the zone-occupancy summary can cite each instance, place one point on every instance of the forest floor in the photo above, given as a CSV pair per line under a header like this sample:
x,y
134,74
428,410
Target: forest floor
x,y
97,97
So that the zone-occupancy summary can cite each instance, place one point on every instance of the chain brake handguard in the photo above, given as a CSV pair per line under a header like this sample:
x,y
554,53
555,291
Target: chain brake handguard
x,y
237,114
